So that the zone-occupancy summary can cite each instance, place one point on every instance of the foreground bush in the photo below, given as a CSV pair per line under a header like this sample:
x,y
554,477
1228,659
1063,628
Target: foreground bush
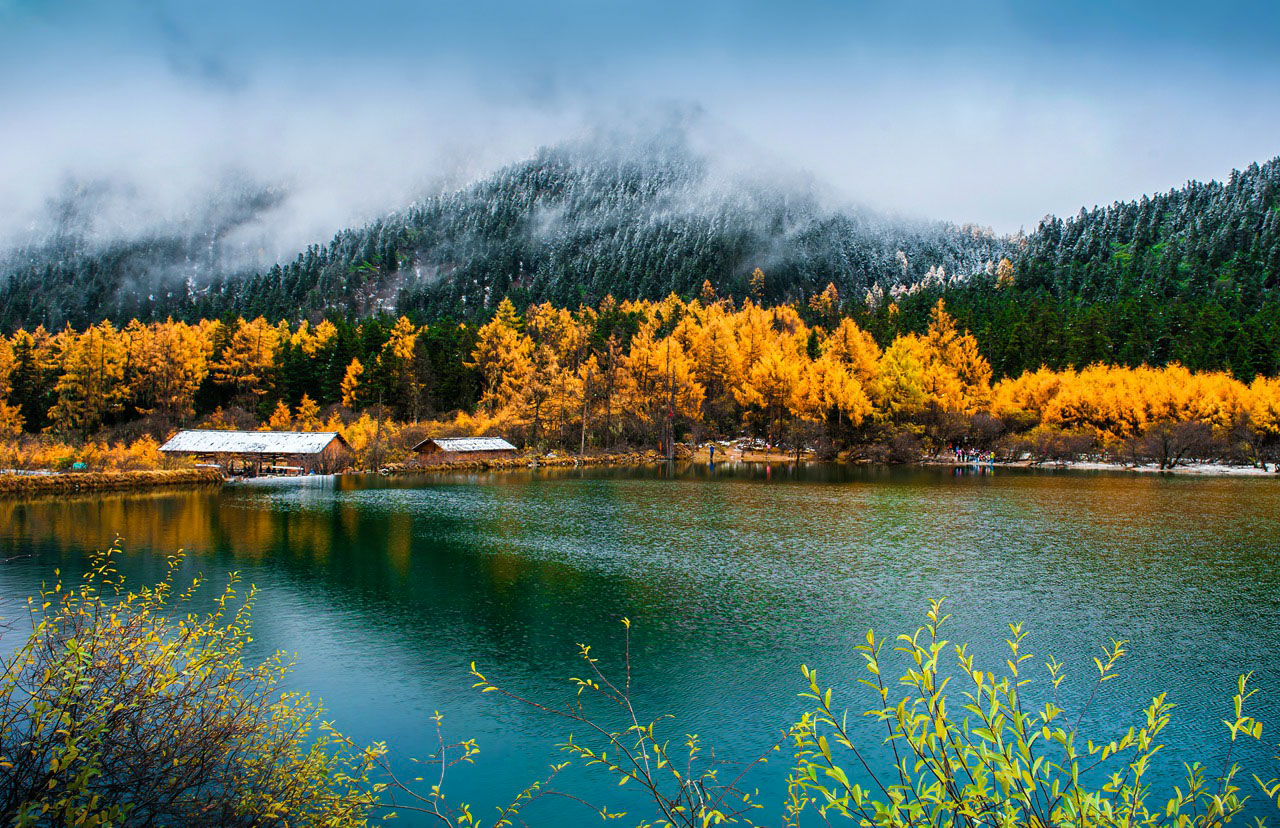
x,y
992,754
125,708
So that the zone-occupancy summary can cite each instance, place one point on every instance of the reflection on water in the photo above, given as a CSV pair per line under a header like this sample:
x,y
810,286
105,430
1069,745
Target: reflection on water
x,y
387,588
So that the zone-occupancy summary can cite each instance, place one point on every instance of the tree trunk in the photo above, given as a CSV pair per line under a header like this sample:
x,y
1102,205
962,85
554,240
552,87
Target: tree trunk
x,y
586,395
671,407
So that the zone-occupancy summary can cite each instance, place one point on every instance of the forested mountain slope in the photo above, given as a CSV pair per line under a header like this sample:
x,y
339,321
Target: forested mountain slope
x,y
1216,239
572,224
1190,275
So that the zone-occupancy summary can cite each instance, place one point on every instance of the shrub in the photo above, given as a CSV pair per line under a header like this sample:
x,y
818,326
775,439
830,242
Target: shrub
x,y
1044,444
993,758
123,708
985,756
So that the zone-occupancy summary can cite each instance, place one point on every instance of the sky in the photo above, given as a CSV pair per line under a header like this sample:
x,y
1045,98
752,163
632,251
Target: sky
x,y
995,113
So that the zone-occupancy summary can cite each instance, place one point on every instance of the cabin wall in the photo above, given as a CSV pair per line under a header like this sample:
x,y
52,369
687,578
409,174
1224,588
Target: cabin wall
x,y
334,458
433,456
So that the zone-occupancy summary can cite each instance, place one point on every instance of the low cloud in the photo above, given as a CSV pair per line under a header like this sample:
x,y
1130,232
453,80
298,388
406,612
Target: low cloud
x,y
149,122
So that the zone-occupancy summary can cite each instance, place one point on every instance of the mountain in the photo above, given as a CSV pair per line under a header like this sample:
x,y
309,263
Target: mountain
x,y
1215,239
1191,275
571,224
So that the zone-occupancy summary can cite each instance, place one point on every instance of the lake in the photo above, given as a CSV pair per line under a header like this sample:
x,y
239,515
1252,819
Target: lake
x,y
387,588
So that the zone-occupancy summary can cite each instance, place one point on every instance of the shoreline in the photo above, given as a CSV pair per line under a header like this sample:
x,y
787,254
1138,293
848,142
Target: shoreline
x,y
18,485
556,461
24,485
1198,469
702,457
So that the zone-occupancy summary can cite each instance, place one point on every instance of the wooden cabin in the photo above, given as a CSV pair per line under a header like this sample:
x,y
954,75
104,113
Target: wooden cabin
x,y
264,452
461,449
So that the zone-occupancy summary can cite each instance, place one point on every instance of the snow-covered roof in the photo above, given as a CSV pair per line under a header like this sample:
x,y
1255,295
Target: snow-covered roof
x,y
467,444
250,442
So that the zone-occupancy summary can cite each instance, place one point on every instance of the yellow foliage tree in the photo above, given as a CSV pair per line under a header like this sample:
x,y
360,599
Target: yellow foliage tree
x,y
771,383
826,385
958,377
826,305
7,364
756,285
280,419
396,365
707,296
658,385
169,361
855,349
503,356
1004,273
308,418
248,361
900,391
1021,401
11,420
351,384
717,363
92,383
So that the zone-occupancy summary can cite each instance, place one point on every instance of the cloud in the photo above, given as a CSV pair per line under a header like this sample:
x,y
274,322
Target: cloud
x,y
148,153
154,111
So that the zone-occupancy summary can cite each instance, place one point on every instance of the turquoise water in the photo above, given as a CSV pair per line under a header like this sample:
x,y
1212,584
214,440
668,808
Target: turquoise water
x,y
387,588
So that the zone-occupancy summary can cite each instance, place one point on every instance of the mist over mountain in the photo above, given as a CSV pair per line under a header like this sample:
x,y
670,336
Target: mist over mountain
x,y
1189,275
633,217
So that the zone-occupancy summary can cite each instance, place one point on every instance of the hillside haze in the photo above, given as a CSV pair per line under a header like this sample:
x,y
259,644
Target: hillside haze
x,y
573,223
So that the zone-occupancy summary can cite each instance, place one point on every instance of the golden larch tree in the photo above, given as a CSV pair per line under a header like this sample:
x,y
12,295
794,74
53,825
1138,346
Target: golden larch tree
x,y
351,391
247,363
503,356
281,419
91,386
308,415
170,361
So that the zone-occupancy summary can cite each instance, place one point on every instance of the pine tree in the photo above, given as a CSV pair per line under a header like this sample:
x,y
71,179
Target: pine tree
x,y
34,375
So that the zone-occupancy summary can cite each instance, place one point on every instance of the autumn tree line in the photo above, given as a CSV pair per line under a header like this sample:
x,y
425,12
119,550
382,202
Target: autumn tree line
x,y
635,373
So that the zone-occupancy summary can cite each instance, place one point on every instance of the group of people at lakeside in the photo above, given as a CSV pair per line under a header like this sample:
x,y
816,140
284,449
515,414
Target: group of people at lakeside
x,y
967,455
